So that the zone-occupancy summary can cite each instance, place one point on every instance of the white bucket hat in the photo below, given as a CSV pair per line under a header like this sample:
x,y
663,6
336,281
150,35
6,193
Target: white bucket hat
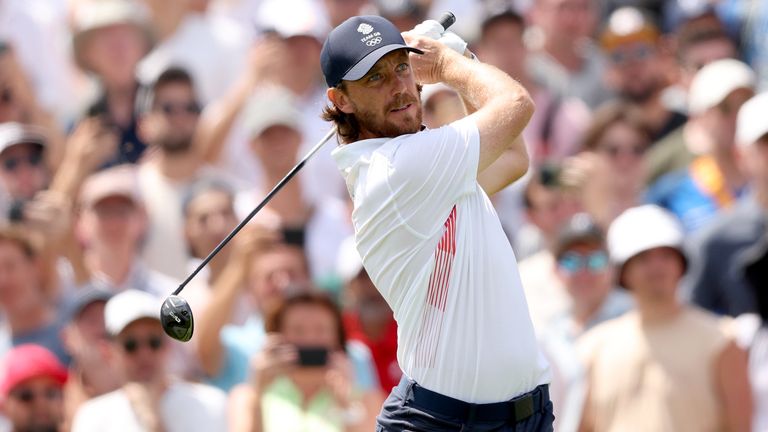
x,y
643,228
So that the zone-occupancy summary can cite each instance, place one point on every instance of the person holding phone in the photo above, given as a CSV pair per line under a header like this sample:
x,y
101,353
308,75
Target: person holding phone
x,y
302,379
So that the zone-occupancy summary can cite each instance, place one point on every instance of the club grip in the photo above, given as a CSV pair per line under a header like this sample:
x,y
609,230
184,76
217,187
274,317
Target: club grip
x,y
447,19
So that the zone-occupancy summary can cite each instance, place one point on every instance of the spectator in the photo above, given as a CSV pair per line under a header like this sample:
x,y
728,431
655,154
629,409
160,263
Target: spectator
x,y
287,55
583,269
27,308
557,126
259,268
23,171
367,316
150,399
211,48
109,39
441,105
565,61
209,216
638,68
91,372
714,180
546,207
319,226
111,227
700,41
290,391
31,389
716,281
608,176
666,366
555,129
168,125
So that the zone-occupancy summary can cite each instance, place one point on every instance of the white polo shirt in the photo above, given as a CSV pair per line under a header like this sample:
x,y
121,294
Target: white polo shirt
x,y
432,243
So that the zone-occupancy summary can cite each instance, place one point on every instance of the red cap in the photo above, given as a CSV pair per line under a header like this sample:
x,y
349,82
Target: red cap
x,y
29,361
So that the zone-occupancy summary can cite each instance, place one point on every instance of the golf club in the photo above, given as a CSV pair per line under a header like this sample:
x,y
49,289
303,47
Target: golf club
x,y
175,313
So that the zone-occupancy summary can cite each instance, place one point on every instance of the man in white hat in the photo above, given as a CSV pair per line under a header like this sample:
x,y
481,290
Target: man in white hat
x,y
714,180
718,260
666,366
150,399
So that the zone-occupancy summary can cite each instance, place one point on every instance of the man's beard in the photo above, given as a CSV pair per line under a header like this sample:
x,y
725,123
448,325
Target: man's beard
x,y
642,94
383,127
175,144
39,428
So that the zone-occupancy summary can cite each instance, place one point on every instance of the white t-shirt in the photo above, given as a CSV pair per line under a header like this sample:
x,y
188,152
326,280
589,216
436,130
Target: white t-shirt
x,y
186,407
433,245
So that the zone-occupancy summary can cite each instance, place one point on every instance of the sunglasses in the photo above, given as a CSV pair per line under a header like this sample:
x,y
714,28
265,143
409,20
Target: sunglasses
x,y
615,151
33,159
173,109
572,262
132,345
626,55
28,396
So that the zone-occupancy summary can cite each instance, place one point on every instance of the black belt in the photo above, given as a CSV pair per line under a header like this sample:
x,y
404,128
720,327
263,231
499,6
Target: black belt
x,y
515,410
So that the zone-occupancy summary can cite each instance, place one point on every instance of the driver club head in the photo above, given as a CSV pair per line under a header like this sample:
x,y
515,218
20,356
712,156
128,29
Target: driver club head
x,y
176,317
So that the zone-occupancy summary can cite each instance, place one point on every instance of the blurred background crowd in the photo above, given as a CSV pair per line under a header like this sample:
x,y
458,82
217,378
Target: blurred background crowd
x,y
135,134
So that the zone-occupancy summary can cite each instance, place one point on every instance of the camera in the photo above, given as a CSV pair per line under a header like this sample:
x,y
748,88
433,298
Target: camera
x,y
313,356
16,211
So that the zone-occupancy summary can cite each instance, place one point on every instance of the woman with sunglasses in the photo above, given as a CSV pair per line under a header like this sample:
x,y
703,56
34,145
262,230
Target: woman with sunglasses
x,y
302,380
608,176
150,399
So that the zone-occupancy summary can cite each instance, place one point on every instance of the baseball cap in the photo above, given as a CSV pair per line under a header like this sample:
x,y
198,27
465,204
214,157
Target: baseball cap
x,y
292,18
626,25
12,133
28,361
94,15
580,228
751,122
715,81
355,45
83,297
271,106
116,181
640,229
129,306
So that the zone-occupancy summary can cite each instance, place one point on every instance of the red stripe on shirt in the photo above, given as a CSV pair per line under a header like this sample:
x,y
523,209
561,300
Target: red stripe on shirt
x,y
437,294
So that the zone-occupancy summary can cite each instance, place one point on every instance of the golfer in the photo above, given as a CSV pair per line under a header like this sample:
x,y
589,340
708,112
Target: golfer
x,y
428,234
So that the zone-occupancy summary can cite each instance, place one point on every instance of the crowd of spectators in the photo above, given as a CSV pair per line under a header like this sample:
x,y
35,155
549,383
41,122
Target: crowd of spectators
x,y
135,134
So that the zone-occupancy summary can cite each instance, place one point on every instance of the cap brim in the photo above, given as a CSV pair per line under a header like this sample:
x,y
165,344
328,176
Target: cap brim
x,y
363,66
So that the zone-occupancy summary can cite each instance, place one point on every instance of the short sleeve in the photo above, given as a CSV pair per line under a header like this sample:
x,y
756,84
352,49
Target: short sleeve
x,y
431,170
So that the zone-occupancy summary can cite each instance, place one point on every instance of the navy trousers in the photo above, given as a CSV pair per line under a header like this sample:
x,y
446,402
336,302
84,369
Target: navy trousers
x,y
415,409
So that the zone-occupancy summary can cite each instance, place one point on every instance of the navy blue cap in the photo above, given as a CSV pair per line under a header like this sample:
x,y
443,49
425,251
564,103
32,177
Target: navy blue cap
x,y
353,47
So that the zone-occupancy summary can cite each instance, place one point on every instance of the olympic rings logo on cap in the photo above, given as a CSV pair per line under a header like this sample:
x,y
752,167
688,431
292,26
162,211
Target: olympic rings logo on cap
x,y
373,42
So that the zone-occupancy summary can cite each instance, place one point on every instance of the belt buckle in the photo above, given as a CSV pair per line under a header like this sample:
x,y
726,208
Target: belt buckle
x,y
523,407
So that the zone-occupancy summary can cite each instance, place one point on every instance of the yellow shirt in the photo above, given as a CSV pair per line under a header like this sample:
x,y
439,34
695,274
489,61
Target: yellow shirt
x,y
282,410
655,377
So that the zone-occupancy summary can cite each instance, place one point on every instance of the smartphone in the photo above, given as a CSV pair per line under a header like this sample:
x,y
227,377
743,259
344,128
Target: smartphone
x,y
313,356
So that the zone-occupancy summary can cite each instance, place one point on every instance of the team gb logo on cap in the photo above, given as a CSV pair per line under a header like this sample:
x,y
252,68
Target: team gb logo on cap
x,y
371,39
365,28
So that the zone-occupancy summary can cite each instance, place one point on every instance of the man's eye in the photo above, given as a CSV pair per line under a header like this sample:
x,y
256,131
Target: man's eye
x,y
402,67
374,77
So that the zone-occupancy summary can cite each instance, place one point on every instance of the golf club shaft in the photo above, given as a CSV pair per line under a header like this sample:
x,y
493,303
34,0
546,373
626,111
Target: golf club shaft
x,y
258,208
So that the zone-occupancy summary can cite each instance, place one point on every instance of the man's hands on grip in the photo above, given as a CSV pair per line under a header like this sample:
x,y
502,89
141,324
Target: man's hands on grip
x,y
434,30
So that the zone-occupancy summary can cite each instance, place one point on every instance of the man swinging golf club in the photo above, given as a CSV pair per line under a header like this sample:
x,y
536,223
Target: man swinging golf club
x,y
426,230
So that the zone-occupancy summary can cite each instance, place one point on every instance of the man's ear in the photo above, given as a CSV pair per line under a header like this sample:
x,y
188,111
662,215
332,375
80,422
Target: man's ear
x,y
341,100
